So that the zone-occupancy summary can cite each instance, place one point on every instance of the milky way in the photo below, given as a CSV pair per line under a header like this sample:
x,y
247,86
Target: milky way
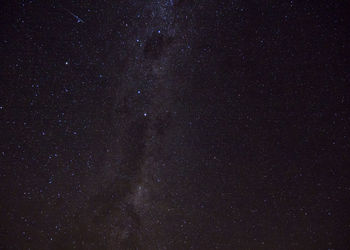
x,y
161,40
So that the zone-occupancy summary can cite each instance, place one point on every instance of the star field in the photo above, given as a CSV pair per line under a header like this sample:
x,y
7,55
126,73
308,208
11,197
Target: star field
x,y
174,124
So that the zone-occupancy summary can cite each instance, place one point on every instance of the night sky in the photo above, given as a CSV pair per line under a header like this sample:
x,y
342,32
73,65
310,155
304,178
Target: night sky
x,y
174,124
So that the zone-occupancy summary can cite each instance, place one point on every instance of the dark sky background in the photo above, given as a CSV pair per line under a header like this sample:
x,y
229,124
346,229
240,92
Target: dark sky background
x,y
174,124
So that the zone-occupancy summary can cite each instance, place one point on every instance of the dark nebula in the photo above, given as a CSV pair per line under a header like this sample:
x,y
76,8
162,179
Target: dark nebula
x,y
155,45
174,124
